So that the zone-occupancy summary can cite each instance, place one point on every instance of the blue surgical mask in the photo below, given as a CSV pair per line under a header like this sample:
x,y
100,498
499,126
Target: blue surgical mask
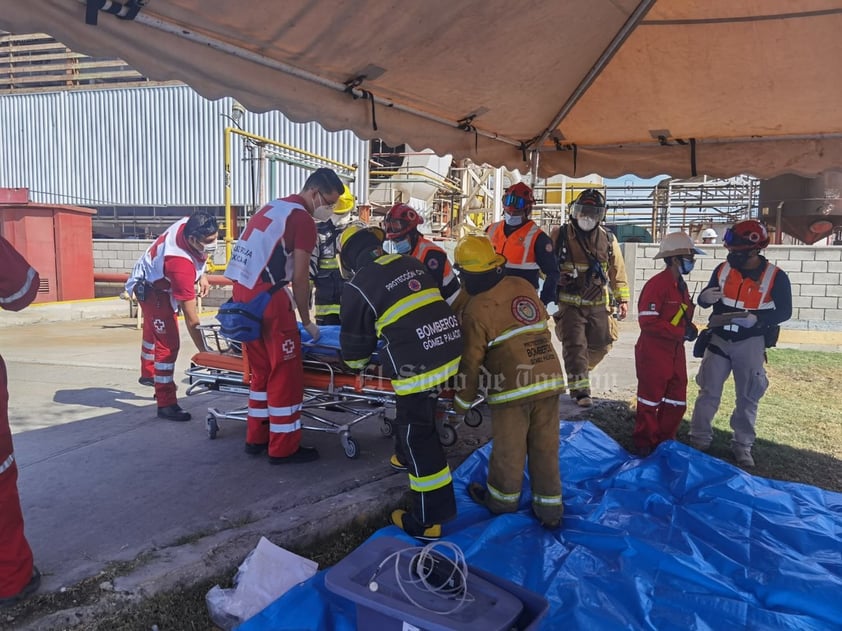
x,y
401,247
513,220
685,266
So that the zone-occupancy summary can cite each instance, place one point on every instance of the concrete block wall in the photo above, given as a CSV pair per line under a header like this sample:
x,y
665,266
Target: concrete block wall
x,y
815,274
116,256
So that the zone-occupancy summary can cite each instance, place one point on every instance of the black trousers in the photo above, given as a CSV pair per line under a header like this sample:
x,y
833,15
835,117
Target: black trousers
x,y
418,447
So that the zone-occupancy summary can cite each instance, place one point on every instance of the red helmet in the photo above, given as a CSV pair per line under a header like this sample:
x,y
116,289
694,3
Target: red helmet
x,y
400,220
519,196
746,235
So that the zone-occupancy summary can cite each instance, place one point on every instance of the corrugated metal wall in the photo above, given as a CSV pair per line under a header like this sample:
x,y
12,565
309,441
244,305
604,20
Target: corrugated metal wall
x,y
155,146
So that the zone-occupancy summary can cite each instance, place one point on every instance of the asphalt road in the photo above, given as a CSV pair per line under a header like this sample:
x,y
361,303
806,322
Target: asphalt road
x,y
103,480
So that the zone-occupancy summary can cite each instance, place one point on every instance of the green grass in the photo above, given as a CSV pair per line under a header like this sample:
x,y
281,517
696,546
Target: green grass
x,y
799,433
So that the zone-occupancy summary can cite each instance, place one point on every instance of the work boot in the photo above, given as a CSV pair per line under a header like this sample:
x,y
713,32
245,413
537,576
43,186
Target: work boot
x,y
478,493
584,401
146,381
173,413
303,454
742,455
396,464
255,449
413,528
30,588
699,443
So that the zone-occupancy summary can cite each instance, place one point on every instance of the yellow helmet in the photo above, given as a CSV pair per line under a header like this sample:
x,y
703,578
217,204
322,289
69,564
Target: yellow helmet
x,y
346,243
474,254
345,203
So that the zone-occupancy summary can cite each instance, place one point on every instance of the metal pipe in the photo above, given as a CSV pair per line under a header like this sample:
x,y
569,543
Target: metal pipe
x,y
108,277
637,15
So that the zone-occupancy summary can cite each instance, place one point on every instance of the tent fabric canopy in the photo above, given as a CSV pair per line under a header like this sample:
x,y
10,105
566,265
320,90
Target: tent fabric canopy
x,y
683,87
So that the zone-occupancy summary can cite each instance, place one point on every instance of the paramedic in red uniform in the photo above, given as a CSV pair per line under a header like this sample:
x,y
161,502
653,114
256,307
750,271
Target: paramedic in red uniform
x,y
275,248
527,248
665,316
19,578
163,280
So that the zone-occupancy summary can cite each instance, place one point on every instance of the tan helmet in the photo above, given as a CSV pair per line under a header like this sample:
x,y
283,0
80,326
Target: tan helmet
x,y
677,244
474,254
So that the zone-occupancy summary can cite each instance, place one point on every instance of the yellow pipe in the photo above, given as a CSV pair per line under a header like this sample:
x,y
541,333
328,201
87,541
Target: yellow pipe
x,y
275,143
443,183
229,229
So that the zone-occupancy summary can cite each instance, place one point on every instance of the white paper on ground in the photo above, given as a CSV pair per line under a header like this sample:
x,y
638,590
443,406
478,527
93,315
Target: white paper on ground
x,y
267,573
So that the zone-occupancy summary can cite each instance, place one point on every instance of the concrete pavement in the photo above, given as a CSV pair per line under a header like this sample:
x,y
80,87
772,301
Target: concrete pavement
x,y
103,481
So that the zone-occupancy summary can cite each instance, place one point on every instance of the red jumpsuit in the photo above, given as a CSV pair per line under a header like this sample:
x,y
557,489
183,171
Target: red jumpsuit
x,y
18,287
264,256
664,310
169,269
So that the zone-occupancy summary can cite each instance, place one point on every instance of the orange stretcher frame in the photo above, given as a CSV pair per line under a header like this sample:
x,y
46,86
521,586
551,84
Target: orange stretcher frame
x,y
328,386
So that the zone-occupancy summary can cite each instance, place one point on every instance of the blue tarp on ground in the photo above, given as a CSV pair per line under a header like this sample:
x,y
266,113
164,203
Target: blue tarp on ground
x,y
678,540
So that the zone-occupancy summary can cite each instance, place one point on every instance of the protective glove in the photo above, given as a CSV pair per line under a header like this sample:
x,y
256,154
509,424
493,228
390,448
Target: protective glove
x,y
313,329
710,295
691,332
746,321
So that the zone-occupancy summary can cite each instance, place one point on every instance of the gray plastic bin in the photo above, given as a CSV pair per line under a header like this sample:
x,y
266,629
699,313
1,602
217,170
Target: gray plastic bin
x,y
497,605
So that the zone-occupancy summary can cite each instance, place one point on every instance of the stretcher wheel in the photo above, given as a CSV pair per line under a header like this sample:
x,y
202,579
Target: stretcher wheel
x,y
473,418
352,450
387,429
447,435
212,425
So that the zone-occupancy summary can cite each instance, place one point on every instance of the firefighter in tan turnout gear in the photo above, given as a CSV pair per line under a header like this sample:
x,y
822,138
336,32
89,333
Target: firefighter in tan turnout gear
x,y
508,344
593,279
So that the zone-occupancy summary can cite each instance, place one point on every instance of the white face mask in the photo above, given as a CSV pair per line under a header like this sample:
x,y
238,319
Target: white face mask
x,y
586,223
340,220
209,248
323,213
513,220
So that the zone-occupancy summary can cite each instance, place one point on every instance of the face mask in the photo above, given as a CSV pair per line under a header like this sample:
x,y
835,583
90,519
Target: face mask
x,y
478,283
340,220
513,220
209,248
323,213
399,247
685,266
586,223
737,259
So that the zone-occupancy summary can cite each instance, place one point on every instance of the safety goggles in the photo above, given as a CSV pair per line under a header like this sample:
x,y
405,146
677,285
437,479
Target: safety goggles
x,y
393,226
511,200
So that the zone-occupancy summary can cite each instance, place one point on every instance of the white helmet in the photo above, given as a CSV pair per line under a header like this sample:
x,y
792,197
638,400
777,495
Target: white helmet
x,y
677,244
708,233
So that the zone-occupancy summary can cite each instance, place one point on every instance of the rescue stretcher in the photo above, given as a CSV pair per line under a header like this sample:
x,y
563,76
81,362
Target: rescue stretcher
x,y
329,386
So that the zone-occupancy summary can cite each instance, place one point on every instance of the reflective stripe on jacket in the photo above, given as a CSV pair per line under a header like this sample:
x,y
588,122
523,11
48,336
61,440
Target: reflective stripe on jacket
x,y
584,289
435,260
518,247
509,346
746,294
394,298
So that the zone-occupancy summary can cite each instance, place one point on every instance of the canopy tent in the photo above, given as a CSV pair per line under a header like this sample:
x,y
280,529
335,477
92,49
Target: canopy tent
x,y
716,87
